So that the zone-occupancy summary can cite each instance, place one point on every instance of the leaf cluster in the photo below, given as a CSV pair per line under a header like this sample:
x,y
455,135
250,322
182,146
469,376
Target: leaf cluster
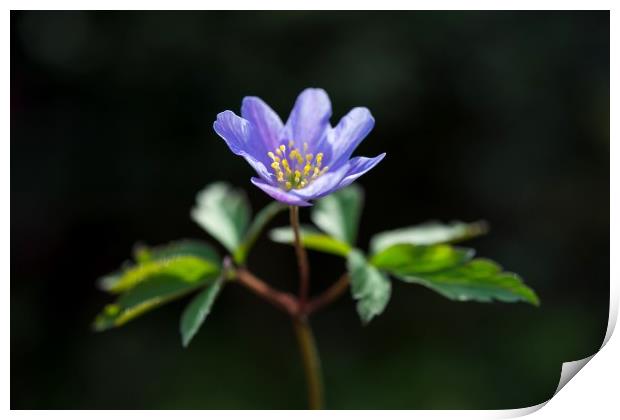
x,y
161,274
423,254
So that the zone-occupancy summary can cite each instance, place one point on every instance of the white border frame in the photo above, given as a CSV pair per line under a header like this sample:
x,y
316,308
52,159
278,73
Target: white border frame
x,y
595,390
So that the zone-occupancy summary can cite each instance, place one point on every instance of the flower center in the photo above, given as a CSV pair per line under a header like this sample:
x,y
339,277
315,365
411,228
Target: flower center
x,y
296,170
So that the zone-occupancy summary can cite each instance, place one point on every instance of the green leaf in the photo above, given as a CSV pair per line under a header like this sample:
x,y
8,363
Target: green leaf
x,y
406,259
311,239
480,280
369,286
162,274
339,213
223,212
429,233
183,247
258,224
188,267
198,309
149,294
108,281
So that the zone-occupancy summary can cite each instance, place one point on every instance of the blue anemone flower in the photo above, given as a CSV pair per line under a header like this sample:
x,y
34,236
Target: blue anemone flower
x,y
304,159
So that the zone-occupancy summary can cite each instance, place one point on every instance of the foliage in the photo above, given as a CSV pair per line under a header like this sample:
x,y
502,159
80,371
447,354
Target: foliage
x,y
370,287
312,238
339,214
422,254
159,275
196,312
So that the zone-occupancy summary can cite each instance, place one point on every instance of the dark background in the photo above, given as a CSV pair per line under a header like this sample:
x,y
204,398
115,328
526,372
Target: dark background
x,y
496,115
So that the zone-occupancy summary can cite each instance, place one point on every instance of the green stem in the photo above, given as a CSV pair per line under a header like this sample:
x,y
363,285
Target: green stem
x,y
311,362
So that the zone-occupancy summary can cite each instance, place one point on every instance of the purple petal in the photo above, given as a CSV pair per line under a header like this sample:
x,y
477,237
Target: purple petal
x,y
309,119
279,194
358,166
266,124
258,166
349,133
236,132
323,185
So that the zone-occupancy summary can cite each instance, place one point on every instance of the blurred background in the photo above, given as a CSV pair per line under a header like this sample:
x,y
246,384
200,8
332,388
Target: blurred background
x,y
502,116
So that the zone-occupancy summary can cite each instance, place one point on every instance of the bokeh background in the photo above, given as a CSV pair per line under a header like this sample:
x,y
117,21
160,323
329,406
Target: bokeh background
x,y
502,116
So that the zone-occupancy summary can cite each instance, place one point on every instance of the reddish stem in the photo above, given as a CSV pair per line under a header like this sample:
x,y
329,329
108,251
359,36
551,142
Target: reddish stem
x,y
302,259
282,300
328,296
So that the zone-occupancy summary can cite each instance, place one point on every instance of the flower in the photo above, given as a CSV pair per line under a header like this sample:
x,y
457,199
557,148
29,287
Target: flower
x,y
304,159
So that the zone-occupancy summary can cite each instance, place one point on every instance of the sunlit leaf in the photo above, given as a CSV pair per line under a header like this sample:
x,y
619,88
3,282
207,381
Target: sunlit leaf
x,y
429,233
369,287
188,267
224,213
480,280
198,309
311,239
258,224
409,259
160,274
108,281
180,248
149,294
338,214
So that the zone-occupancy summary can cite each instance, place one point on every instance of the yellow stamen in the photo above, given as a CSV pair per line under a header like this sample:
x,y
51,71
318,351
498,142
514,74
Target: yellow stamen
x,y
299,170
287,168
295,155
